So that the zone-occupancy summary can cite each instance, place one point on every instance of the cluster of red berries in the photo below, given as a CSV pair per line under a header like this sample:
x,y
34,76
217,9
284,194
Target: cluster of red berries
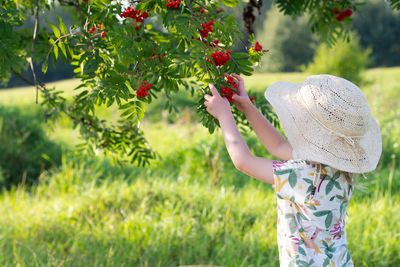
x,y
143,89
93,29
173,4
221,58
214,43
341,15
227,91
134,14
159,57
207,27
257,47
231,81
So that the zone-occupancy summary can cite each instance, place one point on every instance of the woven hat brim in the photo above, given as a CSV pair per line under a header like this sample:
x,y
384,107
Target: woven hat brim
x,y
311,141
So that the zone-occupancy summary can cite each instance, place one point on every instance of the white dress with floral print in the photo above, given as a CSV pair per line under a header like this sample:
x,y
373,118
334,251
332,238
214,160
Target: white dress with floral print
x,y
311,229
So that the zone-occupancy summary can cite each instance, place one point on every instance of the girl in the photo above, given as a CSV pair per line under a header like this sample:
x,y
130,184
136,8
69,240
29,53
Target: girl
x,y
331,136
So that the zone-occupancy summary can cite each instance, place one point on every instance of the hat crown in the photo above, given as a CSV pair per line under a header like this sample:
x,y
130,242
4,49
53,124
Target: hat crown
x,y
336,104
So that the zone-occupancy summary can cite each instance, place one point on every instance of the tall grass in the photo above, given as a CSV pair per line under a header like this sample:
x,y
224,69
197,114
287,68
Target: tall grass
x,y
192,206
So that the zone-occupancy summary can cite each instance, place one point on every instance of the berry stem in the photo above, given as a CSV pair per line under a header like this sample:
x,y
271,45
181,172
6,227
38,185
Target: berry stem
x,y
199,4
244,44
192,13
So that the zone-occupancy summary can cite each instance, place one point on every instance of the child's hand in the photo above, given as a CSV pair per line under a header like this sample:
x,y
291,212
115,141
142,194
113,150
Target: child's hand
x,y
241,100
217,105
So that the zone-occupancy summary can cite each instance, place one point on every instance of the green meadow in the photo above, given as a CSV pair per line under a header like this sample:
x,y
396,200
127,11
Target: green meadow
x,y
190,206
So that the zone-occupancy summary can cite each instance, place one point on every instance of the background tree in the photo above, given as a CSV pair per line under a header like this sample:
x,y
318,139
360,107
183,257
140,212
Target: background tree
x,y
378,27
289,40
345,59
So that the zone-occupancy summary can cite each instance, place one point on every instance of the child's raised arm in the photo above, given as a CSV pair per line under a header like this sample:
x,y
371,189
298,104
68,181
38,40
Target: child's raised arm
x,y
271,138
257,167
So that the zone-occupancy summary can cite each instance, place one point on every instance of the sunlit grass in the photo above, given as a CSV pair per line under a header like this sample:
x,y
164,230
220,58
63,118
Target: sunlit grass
x,y
190,207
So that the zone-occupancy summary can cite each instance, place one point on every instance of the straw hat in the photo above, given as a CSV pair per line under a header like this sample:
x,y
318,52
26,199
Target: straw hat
x,y
327,119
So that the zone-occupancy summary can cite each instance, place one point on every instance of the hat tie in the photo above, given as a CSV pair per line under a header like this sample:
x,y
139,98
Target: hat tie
x,y
348,139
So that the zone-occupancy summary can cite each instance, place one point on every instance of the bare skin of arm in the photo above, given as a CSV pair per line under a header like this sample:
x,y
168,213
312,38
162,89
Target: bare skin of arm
x,y
271,138
257,167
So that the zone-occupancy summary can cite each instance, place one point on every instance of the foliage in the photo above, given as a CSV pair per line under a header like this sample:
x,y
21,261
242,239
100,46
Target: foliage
x,y
381,33
322,19
26,150
77,221
289,41
113,55
345,59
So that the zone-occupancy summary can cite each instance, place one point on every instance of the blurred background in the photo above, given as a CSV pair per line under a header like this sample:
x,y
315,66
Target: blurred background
x,y
62,207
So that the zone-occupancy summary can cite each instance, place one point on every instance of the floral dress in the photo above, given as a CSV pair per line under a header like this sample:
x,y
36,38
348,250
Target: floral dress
x,y
311,214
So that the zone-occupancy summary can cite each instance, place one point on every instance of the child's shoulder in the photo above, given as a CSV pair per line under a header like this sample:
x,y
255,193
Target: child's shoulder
x,y
291,164
296,164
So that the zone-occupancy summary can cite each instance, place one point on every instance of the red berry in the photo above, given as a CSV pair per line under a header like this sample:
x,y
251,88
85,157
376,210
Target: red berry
x,y
348,12
173,4
140,93
257,47
137,27
340,17
103,34
220,58
336,10
85,1
99,26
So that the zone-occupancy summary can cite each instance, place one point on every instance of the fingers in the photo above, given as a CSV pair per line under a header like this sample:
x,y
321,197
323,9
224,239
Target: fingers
x,y
207,98
214,90
240,79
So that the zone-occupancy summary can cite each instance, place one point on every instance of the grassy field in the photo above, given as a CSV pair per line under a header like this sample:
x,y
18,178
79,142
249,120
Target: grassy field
x,y
191,207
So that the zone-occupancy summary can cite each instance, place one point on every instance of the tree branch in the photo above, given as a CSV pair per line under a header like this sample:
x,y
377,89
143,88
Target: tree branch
x,y
192,13
19,75
36,14
87,19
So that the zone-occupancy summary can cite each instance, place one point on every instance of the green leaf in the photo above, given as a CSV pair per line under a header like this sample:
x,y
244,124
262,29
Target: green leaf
x,y
321,213
302,251
292,225
311,207
329,187
62,47
336,175
337,185
328,220
292,179
229,21
55,29
45,66
55,51
280,172
230,3
63,28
